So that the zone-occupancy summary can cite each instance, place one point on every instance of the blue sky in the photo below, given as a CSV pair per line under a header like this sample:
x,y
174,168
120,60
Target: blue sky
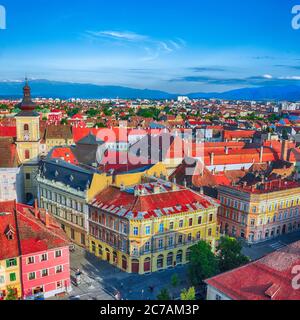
x,y
179,46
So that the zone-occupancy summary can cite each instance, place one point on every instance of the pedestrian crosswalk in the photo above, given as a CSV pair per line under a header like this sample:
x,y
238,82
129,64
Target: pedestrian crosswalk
x,y
277,245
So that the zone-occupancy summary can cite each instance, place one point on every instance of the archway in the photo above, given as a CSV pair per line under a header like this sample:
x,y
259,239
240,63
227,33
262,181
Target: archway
x,y
170,259
160,262
124,263
107,255
135,266
147,265
179,257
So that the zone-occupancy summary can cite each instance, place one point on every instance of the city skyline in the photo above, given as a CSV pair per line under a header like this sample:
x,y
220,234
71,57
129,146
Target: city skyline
x,y
190,48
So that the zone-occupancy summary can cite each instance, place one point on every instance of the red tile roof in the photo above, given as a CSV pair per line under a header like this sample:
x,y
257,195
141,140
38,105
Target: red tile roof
x,y
8,248
30,233
269,278
33,233
148,204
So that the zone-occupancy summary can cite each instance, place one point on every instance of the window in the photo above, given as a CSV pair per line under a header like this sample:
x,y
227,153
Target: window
x,y
171,226
72,234
199,220
30,260
190,222
160,243
161,228
171,241
218,297
58,254
2,279
136,231
12,277
147,246
27,154
59,285
181,224
27,176
180,239
45,273
211,217
11,263
198,235
148,230
44,257
189,237
82,239
31,276
59,269
210,232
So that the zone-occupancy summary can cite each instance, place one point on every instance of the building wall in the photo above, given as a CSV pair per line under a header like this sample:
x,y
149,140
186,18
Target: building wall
x,y
259,217
69,208
11,181
167,239
130,179
6,281
50,282
214,294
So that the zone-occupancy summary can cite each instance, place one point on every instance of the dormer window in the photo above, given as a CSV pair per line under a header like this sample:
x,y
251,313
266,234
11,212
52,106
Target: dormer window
x,y
10,233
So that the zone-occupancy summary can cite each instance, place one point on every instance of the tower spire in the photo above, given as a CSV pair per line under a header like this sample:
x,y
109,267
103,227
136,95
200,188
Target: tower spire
x,y
27,104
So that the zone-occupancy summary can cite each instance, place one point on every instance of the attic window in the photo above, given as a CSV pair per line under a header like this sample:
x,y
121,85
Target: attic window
x,y
10,233
272,291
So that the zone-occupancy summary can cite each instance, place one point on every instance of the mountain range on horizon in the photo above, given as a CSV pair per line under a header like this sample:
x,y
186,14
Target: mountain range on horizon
x,y
67,90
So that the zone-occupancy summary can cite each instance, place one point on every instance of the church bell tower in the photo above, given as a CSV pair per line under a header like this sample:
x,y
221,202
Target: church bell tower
x,y
28,141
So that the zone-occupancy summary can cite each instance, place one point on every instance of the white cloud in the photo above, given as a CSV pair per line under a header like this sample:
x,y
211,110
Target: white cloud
x,y
151,46
267,76
119,35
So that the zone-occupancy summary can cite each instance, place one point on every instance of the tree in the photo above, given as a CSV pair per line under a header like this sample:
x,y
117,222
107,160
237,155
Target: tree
x,y
11,294
64,121
164,295
203,263
230,254
175,280
92,112
188,295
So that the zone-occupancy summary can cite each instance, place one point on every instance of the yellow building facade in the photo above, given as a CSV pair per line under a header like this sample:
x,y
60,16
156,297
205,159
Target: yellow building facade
x,y
10,277
143,244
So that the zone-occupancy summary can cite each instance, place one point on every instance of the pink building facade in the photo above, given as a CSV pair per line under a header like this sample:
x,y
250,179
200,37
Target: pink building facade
x,y
46,273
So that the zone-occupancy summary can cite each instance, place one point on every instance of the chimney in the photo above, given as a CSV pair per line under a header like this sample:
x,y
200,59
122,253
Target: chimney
x,y
36,209
261,154
47,220
212,158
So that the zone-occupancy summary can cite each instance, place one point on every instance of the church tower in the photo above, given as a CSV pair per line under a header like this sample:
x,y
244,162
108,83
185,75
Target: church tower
x,y
28,141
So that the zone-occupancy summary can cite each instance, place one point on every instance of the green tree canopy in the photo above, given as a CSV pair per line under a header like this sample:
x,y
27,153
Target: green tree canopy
x,y
11,294
203,263
230,254
188,294
164,295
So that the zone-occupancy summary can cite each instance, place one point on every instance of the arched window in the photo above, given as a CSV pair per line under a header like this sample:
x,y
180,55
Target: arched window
x,y
27,154
26,127
170,259
160,262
